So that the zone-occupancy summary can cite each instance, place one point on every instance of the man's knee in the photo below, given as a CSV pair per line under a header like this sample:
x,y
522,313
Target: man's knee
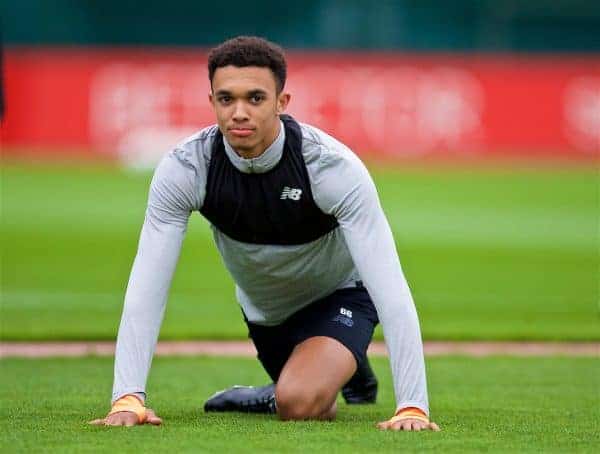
x,y
298,403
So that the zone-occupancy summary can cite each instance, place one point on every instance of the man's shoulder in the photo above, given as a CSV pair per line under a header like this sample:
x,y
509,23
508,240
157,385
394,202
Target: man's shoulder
x,y
191,154
203,138
319,146
195,150
311,135
333,168
183,171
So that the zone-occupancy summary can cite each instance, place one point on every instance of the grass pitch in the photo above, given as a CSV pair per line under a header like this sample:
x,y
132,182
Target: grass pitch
x,y
489,253
484,405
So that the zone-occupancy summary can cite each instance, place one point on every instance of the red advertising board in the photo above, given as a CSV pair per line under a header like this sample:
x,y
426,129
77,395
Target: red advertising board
x,y
137,103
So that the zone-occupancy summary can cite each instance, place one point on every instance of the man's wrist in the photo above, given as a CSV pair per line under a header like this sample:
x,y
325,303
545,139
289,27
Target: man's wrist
x,y
411,410
141,396
409,413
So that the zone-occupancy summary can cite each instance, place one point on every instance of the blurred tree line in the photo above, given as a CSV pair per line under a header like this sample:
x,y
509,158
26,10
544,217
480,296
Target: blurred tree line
x,y
419,25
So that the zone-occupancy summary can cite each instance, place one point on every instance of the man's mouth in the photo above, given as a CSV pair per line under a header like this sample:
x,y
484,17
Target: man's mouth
x,y
241,132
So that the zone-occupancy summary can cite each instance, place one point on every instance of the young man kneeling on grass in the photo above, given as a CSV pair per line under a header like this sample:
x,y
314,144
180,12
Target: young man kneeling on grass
x,y
297,220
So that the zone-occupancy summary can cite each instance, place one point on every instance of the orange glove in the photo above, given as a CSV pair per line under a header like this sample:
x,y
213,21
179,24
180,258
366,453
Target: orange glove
x,y
409,413
130,403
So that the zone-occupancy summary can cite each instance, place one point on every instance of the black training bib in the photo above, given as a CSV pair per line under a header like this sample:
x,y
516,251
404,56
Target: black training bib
x,y
275,207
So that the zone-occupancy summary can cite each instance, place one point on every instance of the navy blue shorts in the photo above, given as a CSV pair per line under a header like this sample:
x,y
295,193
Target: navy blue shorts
x,y
347,315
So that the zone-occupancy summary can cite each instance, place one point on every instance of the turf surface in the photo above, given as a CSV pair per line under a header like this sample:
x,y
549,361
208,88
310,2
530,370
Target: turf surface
x,y
489,253
484,405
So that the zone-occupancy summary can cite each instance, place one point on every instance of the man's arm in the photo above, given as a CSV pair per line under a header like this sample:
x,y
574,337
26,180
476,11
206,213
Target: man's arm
x,y
175,191
347,191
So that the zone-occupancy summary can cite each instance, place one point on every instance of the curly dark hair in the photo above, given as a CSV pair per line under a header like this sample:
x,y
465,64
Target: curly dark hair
x,y
244,51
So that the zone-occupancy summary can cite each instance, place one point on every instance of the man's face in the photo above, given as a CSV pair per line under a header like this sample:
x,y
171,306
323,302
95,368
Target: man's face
x,y
247,107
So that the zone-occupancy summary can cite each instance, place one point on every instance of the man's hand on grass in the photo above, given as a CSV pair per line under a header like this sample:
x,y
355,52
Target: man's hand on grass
x,y
128,418
410,419
409,424
128,410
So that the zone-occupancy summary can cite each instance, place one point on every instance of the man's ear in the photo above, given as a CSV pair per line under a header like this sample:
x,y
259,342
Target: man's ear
x,y
210,97
282,102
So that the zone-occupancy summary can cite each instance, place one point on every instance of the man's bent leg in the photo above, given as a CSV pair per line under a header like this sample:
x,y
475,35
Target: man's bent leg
x,y
311,378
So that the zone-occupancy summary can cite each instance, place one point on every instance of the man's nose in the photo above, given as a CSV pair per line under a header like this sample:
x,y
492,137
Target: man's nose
x,y
240,113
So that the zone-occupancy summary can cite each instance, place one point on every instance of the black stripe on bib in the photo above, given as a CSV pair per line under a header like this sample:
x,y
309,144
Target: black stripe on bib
x,y
275,207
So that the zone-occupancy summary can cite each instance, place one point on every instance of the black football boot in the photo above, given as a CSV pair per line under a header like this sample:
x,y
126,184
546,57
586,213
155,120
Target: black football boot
x,y
362,387
245,399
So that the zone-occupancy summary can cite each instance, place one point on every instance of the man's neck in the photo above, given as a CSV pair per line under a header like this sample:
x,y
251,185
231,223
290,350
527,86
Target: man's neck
x,y
261,162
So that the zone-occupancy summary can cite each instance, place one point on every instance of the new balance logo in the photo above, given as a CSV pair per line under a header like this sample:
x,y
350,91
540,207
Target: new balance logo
x,y
344,317
291,193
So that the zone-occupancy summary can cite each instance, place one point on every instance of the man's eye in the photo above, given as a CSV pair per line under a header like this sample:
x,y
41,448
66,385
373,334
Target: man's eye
x,y
224,99
256,99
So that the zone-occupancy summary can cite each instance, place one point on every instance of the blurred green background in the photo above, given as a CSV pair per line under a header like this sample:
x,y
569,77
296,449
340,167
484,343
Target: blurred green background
x,y
491,252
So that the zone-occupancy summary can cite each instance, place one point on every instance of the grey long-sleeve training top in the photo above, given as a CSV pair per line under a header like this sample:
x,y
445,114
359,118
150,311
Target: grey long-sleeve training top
x,y
274,281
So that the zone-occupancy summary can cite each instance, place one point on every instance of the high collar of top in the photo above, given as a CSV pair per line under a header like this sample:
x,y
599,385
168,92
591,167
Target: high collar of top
x,y
263,163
